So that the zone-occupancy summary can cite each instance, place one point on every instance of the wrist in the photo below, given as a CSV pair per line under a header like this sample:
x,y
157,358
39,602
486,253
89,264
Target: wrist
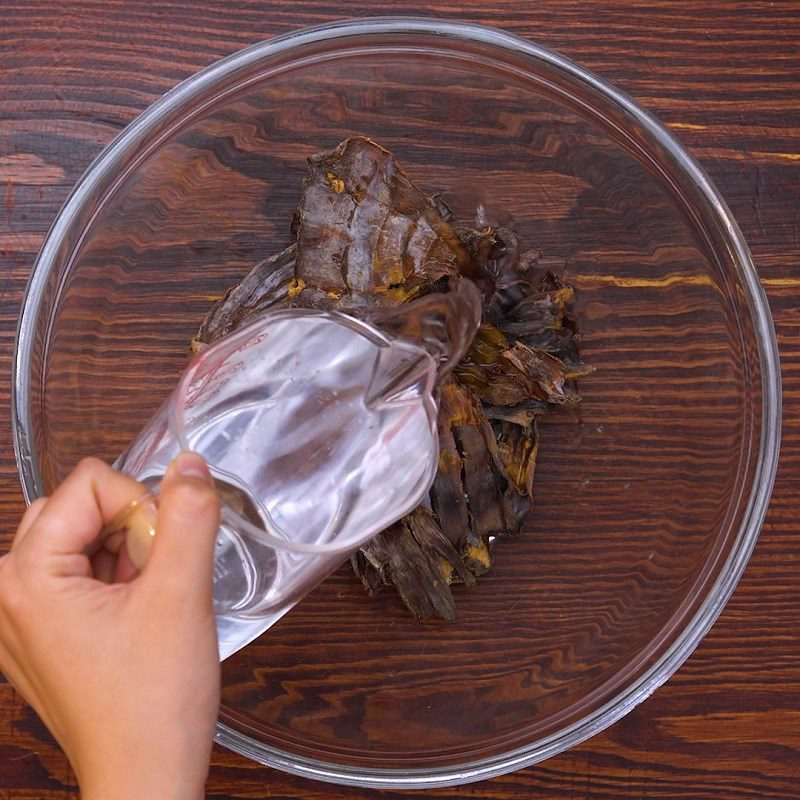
x,y
132,782
151,790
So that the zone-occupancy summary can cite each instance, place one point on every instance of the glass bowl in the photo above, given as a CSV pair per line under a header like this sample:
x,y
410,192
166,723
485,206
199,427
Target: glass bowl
x,y
648,503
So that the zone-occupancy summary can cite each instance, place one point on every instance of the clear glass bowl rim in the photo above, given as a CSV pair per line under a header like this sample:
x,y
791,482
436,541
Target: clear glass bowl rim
x,y
764,474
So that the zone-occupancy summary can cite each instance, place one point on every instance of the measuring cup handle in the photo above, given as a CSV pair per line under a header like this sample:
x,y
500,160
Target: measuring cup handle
x,y
136,522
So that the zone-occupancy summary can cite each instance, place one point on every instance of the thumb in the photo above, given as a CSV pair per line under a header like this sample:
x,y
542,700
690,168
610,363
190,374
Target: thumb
x,y
186,529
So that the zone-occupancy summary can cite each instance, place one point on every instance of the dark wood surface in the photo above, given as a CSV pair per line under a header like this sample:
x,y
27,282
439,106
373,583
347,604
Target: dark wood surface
x,y
724,77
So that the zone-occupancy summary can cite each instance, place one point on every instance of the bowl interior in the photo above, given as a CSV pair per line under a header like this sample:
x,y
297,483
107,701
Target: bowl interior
x,y
638,496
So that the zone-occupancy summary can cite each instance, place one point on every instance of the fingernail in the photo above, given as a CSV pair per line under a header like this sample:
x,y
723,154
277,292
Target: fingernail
x,y
192,465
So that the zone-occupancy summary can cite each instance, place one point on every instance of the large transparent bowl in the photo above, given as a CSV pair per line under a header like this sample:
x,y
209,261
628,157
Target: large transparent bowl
x,y
648,503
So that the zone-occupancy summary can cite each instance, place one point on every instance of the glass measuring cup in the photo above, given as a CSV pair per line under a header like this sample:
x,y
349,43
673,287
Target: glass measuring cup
x,y
320,431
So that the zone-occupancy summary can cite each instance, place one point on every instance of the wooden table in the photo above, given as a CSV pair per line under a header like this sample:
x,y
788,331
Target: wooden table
x,y
724,77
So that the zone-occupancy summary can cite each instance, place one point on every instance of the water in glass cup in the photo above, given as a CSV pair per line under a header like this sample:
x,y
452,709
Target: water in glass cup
x,y
320,431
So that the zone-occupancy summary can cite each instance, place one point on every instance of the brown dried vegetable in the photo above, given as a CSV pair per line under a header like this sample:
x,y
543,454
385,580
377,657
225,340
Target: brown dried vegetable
x,y
367,238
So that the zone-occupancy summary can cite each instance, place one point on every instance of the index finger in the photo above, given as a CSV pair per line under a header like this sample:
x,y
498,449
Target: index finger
x,y
77,510
28,518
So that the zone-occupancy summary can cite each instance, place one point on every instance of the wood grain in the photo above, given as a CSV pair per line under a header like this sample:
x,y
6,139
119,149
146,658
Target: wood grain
x,y
723,76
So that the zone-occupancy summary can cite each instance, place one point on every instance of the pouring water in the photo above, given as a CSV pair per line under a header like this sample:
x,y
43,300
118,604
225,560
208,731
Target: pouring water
x,y
320,431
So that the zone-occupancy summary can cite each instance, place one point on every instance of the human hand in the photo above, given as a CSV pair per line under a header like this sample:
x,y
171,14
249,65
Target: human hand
x,y
125,675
